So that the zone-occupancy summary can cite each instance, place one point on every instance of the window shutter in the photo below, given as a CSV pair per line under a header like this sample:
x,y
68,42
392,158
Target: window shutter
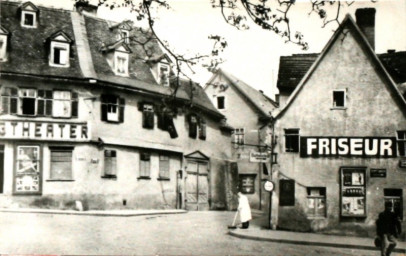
x,y
161,120
121,110
41,107
13,106
103,110
287,193
74,103
5,103
170,126
202,130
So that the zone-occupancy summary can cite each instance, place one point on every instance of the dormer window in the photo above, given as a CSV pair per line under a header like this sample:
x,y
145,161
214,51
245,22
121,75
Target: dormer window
x,y
29,15
59,50
125,34
118,57
163,74
3,43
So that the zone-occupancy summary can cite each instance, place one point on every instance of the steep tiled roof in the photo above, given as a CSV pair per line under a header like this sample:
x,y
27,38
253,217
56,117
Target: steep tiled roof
x,y
259,100
293,68
28,53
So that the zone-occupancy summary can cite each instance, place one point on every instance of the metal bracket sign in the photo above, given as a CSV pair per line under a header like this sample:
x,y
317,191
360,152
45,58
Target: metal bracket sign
x,y
259,157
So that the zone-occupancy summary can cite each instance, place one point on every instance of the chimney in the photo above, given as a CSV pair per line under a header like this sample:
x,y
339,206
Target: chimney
x,y
84,6
366,22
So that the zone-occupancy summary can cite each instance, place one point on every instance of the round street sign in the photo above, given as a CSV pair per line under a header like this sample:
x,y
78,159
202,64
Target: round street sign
x,y
269,186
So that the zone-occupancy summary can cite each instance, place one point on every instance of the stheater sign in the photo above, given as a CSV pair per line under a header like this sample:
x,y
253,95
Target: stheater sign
x,y
348,146
43,130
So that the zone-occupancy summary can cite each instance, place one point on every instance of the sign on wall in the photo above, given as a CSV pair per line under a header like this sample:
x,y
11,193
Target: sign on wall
x,y
353,196
259,157
43,130
378,173
348,146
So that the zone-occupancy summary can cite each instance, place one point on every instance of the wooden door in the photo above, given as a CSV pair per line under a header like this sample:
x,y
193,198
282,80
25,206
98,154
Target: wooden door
x,y
197,187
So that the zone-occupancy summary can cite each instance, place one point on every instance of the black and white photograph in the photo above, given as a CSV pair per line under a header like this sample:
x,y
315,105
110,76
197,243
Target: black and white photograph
x,y
203,127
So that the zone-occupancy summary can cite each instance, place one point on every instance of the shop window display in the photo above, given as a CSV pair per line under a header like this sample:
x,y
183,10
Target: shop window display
x,y
353,196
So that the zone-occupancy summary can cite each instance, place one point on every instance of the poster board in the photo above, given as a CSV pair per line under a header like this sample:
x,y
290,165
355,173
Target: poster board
x,y
352,191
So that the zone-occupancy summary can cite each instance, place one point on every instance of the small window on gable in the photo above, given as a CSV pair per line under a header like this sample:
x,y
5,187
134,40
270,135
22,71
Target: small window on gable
x,y
292,140
238,136
339,99
163,74
3,44
221,102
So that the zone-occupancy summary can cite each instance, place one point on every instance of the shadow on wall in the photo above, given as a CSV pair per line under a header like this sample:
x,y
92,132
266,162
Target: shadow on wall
x,y
293,218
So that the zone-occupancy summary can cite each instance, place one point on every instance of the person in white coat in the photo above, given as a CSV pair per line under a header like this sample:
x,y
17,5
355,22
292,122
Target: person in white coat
x,y
244,210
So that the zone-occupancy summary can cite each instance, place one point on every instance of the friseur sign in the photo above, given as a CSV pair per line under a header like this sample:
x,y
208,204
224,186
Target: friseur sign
x,y
43,130
348,146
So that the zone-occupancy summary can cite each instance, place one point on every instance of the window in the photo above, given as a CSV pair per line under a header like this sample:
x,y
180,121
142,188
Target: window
x,y
193,126
286,192
9,100
239,136
395,197
27,178
292,140
62,104
28,19
401,137
164,167
3,47
110,164
353,192
163,74
60,56
221,102
44,102
121,63
247,183
145,165
338,98
202,129
316,202
112,108
28,101
61,163
148,116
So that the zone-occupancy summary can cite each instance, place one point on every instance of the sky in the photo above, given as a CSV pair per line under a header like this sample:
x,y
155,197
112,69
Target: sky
x,y
253,55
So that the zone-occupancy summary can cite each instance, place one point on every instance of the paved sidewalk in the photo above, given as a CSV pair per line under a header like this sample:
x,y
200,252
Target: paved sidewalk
x,y
256,233
106,213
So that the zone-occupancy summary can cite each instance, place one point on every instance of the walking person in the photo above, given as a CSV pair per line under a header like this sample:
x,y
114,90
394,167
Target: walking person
x,y
388,228
244,210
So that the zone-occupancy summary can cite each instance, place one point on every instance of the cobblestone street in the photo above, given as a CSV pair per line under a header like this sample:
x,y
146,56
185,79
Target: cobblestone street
x,y
194,233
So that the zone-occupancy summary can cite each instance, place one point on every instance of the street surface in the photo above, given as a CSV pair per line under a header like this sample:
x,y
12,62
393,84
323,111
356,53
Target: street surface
x,y
193,233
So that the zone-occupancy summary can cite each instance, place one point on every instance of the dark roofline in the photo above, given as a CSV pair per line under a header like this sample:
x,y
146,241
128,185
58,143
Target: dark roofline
x,y
369,51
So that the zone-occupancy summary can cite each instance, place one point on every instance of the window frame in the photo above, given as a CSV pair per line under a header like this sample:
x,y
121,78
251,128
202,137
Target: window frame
x,y
127,35
3,48
64,150
247,189
163,75
110,159
394,194
21,101
161,174
54,100
145,165
224,102
322,195
9,100
148,117
401,141
288,137
23,18
334,105
118,55
239,136
105,104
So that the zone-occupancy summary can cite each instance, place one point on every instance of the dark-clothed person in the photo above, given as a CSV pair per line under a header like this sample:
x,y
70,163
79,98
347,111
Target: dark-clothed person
x,y
388,228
